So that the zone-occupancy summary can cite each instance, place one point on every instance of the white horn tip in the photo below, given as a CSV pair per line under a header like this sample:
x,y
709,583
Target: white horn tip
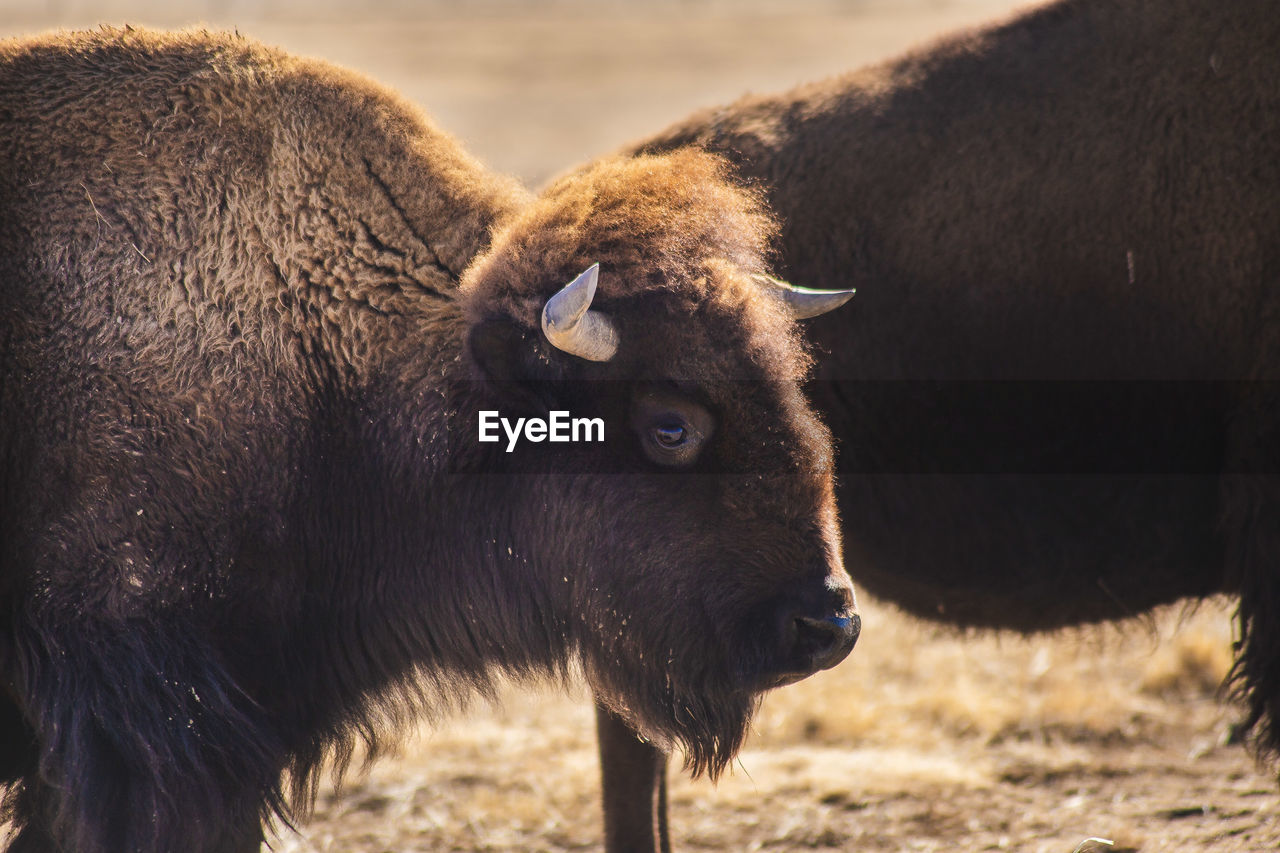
x,y
569,325
805,302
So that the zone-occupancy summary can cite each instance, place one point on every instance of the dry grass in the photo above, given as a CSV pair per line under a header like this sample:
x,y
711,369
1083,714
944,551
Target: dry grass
x,y
926,739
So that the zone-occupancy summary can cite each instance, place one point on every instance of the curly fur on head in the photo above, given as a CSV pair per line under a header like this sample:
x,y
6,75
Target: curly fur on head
x,y
674,236
674,216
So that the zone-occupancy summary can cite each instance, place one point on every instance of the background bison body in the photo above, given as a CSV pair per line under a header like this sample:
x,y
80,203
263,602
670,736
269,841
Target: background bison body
x,y
1054,396
1075,209
253,307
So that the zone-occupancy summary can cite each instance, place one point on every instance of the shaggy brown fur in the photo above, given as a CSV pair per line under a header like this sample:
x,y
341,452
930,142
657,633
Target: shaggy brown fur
x,y
1086,193
246,523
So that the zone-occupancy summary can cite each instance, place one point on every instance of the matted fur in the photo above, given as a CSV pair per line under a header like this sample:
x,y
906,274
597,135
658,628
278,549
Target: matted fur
x,y
246,526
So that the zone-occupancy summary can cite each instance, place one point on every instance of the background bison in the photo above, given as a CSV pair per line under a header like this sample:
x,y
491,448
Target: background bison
x,y
1054,402
245,525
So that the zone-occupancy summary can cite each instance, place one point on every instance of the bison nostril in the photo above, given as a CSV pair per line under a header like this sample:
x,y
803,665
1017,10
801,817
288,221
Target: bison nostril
x,y
827,641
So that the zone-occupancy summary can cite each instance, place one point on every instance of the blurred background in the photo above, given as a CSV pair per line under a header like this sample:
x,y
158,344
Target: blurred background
x,y
926,738
534,87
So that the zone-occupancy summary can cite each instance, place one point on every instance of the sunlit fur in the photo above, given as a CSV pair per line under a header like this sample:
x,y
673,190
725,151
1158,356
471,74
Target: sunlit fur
x,y
251,307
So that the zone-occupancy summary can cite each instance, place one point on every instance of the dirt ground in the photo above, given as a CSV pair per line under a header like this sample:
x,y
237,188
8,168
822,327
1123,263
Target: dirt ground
x,y
926,739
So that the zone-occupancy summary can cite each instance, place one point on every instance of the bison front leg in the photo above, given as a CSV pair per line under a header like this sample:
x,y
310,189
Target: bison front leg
x,y
634,785
33,803
29,804
26,803
142,741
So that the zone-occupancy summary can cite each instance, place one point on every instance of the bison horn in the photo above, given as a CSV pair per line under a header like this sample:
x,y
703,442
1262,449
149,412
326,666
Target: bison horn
x,y
570,326
803,302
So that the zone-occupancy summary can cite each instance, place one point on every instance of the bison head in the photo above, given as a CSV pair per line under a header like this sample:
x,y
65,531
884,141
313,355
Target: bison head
x,y
691,559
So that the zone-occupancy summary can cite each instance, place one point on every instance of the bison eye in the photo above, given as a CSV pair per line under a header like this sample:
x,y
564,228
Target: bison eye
x,y
670,435
672,428
673,442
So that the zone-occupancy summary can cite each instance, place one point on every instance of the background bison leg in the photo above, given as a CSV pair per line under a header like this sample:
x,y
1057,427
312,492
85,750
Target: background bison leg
x,y
1251,523
634,784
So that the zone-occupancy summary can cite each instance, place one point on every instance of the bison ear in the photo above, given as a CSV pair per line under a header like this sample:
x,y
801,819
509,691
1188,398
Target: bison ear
x,y
510,358
506,352
496,346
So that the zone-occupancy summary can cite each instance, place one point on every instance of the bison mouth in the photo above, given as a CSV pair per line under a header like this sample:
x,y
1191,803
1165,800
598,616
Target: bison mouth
x,y
814,644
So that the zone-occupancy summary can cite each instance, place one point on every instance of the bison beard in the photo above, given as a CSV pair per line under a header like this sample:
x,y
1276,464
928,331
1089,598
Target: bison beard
x,y
254,306
709,725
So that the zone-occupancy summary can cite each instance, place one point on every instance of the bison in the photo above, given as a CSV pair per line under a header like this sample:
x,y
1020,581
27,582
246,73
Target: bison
x,y
1054,403
256,308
